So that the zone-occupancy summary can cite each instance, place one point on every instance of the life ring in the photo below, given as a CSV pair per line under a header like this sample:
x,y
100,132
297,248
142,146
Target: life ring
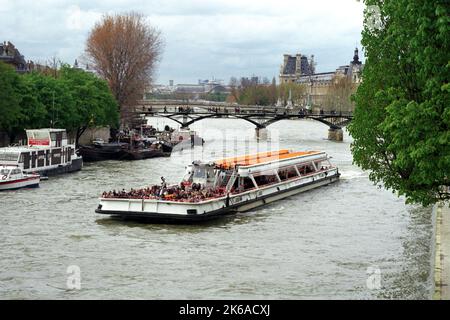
x,y
4,177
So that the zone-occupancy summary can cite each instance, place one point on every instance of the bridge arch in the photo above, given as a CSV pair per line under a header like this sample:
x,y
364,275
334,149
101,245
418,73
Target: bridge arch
x,y
263,120
209,116
323,120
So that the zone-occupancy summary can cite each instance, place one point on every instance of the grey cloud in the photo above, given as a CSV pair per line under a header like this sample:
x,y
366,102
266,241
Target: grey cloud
x,y
203,38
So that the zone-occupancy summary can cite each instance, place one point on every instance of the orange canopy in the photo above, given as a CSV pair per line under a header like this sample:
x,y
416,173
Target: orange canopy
x,y
261,157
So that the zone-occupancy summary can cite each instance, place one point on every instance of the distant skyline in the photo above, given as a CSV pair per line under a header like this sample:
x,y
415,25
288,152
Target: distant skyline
x,y
203,38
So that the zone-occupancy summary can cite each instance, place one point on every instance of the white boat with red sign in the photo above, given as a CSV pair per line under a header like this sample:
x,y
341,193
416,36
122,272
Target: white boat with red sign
x,y
48,152
13,178
217,188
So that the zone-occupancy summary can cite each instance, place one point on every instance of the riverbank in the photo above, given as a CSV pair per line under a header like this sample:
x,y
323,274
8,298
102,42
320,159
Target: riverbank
x,y
442,256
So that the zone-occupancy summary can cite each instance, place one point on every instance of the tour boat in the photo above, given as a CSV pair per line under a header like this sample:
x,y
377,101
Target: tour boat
x,y
217,188
12,178
47,152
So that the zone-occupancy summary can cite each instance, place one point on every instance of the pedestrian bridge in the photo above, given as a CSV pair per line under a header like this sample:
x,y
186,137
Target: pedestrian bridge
x,y
188,113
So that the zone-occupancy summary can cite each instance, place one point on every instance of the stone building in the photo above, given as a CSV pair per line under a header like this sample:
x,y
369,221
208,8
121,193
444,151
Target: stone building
x,y
10,55
298,69
295,67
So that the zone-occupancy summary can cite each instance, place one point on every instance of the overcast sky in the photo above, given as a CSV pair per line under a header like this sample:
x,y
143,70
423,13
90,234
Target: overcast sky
x,y
203,38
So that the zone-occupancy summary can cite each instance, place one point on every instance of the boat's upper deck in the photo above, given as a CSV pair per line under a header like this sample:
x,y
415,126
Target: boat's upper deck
x,y
262,158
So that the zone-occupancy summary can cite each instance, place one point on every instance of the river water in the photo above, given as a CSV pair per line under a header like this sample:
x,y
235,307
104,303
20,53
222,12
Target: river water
x,y
349,240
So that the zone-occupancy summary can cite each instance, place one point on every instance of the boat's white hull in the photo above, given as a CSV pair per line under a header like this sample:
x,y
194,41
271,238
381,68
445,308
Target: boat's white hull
x,y
166,211
286,194
29,182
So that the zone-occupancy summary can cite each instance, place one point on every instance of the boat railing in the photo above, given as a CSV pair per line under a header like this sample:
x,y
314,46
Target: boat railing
x,y
232,194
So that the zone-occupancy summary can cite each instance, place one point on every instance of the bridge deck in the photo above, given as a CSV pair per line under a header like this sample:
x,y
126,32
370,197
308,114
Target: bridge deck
x,y
260,116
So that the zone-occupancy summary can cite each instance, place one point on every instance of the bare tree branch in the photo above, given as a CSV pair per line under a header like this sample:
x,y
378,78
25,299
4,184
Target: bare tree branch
x,y
124,49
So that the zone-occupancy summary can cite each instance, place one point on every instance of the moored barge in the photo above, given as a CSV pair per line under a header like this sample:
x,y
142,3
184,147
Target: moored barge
x,y
213,189
48,152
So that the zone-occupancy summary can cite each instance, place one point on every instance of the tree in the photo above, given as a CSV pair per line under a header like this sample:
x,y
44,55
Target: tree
x,y
339,94
33,112
297,90
124,49
256,94
53,100
401,125
94,104
234,85
273,91
10,98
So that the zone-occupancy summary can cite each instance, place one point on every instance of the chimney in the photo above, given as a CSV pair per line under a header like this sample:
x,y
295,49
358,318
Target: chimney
x,y
286,58
298,64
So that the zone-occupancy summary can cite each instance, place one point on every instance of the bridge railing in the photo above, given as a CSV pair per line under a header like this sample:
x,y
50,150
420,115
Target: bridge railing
x,y
182,110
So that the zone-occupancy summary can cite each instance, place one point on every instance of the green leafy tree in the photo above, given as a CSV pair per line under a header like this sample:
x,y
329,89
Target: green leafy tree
x,y
298,91
34,113
94,104
10,98
401,125
70,98
56,97
257,94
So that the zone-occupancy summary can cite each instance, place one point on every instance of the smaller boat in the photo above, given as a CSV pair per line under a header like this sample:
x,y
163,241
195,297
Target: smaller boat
x,y
156,149
100,151
12,178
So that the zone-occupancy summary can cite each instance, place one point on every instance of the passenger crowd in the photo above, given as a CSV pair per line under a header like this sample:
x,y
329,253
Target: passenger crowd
x,y
179,193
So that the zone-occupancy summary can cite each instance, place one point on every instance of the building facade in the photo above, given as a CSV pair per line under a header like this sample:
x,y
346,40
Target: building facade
x,y
10,55
299,69
294,67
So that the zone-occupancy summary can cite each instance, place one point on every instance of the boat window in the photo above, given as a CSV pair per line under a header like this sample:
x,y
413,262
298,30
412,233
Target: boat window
x,y
235,186
247,184
323,165
15,171
4,172
210,173
306,169
263,180
287,173
200,173
38,137
224,178
9,156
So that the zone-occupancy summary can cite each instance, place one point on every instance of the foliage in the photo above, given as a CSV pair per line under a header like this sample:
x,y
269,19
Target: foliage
x,y
10,98
339,95
217,97
298,92
401,125
124,49
94,105
74,100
